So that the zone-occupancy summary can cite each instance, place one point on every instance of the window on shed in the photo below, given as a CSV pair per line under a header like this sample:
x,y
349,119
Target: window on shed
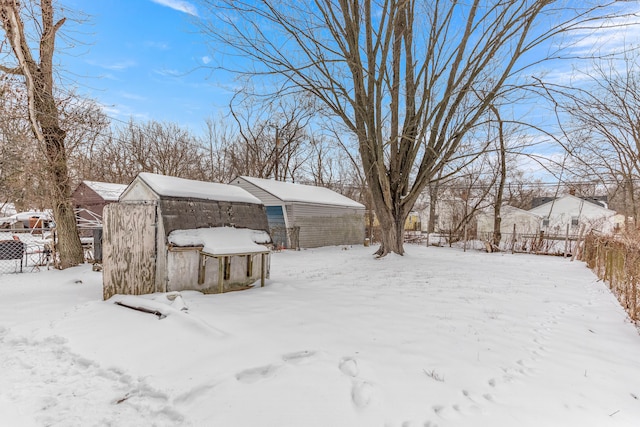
x,y
249,265
227,268
574,221
545,222
277,225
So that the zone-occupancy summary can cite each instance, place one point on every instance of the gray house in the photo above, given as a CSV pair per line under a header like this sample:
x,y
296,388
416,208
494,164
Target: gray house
x,y
171,234
306,216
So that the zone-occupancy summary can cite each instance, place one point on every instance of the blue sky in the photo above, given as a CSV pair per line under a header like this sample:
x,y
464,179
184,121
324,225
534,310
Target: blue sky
x,y
146,59
143,59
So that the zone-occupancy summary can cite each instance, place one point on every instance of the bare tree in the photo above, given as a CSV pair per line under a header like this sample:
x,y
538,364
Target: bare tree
x,y
603,129
37,70
15,144
400,75
272,139
466,193
158,147
85,123
217,139
502,178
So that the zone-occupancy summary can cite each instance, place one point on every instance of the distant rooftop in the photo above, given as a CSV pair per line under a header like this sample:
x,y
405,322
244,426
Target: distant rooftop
x,y
106,190
290,192
598,200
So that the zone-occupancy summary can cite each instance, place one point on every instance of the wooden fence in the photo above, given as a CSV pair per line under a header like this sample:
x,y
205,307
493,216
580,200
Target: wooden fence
x,y
617,262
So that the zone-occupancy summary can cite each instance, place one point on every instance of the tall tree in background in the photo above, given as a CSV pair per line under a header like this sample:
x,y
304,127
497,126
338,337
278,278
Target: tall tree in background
x,y
401,75
15,134
37,70
501,178
119,154
272,136
603,132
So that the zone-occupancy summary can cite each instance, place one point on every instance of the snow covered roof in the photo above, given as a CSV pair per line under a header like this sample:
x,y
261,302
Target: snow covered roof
x,y
170,186
290,192
509,208
24,216
106,190
569,203
7,209
222,240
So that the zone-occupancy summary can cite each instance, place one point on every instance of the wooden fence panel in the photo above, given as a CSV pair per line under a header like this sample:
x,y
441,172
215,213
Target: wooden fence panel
x,y
129,249
618,264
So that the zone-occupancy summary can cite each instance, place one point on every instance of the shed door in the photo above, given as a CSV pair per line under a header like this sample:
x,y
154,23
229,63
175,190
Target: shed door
x,y
277,226
129,249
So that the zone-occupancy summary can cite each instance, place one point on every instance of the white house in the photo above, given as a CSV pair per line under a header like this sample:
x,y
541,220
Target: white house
x,y
524,222
575,212
319,216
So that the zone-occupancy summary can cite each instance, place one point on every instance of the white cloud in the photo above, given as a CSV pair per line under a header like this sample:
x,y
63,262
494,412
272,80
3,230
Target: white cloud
x,y
109,76
132,96
179,5
111,110
122,112
206,60
612,36
168,72
118,66
157,45
114,66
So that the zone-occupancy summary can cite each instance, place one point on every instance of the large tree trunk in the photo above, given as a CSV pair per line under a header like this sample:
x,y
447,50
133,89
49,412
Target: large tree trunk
x,y
632,202
391,230
69,246
497,219
44,117
433,199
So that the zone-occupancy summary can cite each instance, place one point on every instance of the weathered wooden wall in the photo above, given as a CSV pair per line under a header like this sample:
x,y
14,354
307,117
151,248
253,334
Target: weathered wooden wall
x,y
184,214
184,265
129,249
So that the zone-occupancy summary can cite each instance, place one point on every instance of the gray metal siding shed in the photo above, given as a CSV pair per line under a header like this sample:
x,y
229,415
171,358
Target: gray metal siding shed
x,y
265,197
322,225
319,224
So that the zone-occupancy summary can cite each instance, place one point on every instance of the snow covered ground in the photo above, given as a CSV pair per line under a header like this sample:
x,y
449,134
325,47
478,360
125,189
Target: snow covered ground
x,y
438,337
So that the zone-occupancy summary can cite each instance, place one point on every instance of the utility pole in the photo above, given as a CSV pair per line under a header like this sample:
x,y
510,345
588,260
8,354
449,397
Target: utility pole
x,y
277,156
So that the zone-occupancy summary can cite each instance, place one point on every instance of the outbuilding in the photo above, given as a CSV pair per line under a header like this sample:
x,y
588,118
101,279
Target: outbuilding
x,y
173,234
307,216
513,219
89,199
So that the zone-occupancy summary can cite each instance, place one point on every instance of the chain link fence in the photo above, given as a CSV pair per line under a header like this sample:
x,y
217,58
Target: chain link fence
x,y
22,251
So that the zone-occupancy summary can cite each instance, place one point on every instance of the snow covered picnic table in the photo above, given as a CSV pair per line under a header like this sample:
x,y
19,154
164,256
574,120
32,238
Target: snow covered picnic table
x,y
336,338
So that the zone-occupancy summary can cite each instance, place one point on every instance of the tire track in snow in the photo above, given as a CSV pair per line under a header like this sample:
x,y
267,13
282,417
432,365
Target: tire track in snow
x,y
73,390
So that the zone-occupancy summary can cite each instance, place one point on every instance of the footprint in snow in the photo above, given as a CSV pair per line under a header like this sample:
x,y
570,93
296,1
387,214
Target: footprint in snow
x,y
298,357
349,367
194,394
361,393
252,375
473,408
448,412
